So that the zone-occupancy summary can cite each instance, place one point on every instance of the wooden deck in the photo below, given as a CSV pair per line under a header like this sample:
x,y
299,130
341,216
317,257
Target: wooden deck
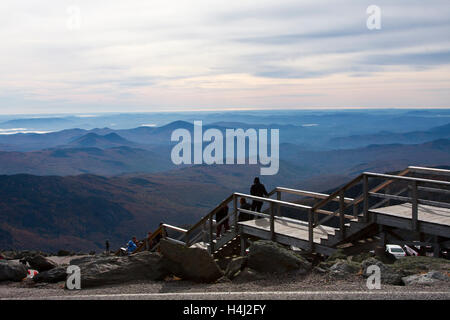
x,y
426,213
298,230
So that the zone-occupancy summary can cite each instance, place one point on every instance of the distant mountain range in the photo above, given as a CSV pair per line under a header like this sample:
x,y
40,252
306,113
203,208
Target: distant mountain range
x,y
75,188
414,137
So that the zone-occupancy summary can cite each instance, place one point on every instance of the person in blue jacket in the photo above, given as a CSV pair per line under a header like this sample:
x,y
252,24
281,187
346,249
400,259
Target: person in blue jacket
x,y
131,246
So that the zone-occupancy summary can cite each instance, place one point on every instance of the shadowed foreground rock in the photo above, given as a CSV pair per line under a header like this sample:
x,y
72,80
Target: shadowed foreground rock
x,y
190,263
12,271
54,275
40,263
116,270
427,278
268,256
389,275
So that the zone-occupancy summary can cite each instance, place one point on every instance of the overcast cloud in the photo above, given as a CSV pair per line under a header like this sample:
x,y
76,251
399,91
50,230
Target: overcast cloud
x,y
208,55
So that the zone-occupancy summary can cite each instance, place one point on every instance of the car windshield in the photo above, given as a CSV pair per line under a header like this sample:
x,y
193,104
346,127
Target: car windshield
x,y
396,250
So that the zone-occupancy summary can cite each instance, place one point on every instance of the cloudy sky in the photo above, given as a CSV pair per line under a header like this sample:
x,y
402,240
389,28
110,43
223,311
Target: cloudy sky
x,y
145,55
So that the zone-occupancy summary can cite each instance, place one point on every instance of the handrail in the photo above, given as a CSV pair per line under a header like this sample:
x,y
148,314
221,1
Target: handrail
x,y
309,194
211,213
389,176
429,170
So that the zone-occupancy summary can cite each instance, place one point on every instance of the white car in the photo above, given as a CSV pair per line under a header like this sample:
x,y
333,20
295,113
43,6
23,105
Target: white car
x,y
395,250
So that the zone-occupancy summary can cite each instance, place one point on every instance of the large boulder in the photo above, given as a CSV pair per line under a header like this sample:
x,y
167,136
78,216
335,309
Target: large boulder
x,y
51,276
235,266
271,257
389,275
39,263
426,279
413,265
12,271
116,270
344,268
193,263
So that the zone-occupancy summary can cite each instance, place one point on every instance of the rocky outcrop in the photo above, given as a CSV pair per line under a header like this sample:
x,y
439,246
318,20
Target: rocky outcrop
x,y
235,266
268,256
248,275
116,270
12,271
51,276
344,268
426,279
194,264
389,275
39,263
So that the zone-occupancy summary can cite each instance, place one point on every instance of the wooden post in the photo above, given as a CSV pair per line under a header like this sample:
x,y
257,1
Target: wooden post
x,y
311,230
342,214
436,247
235,208
243,244
388,191
278,206
211,240
414,206
355,210
366,198
272,222
382,236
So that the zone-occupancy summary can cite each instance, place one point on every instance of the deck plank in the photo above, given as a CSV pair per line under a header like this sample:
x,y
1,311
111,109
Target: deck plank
x,y
426,213
295,230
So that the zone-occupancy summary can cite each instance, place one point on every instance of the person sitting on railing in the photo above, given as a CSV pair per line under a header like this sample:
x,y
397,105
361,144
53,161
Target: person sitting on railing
x,y
221,214
246,206
258,190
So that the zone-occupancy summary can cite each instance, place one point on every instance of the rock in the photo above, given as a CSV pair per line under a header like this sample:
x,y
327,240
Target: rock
x,y
361,257
247,275
389,275
12,271
194,264
344,268
235,266
81,260
414,265
337,255
116,270
223,280
51,276
268,256
40,263
320,270
427,279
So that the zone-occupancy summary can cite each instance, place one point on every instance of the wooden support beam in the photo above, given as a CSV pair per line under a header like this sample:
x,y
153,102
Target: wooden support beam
x,y
366,198
311,230
342,214
415,206
272,222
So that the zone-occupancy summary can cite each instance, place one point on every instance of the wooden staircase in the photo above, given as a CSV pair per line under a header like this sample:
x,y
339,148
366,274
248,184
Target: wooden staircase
x,y
356,218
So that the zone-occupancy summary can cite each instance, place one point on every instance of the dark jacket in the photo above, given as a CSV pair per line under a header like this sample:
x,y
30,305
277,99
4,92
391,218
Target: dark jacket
x,y
258,190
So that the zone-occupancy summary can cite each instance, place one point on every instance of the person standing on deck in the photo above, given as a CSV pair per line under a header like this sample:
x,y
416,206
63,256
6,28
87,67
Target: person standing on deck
x,y
258,190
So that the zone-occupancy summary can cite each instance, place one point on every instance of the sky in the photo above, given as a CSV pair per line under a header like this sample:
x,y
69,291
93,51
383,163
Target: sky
x,y
143,55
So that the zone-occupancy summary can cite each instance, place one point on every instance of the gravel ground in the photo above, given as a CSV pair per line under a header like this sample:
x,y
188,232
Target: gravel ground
x,y
312,286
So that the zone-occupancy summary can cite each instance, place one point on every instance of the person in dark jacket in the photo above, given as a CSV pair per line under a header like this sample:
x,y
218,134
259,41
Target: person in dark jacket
x,y
245,205
258,190
222,213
